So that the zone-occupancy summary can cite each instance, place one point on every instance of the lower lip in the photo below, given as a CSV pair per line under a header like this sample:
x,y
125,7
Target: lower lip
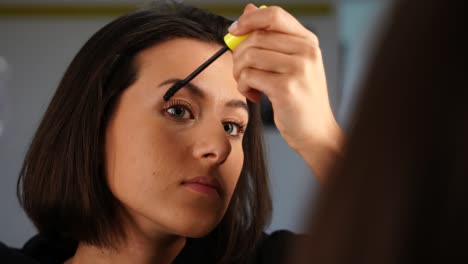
x,y
201,188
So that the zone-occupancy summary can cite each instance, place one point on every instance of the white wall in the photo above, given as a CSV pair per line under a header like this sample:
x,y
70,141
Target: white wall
x,y
38,51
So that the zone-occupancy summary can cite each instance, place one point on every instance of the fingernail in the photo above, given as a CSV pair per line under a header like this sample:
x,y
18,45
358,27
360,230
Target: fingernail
x,y
233,27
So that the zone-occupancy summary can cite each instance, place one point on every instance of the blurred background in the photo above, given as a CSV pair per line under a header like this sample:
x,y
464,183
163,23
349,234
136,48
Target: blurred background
x,y
39,38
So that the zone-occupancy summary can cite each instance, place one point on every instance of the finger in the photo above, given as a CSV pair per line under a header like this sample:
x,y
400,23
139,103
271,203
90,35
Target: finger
x,y
249,7
264,60
253,95
273,18
253,82
278,42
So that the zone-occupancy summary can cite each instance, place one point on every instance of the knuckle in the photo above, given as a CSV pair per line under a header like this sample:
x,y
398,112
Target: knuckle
x,y
288,85
245,74
256,37
249,56
242,82
276,14
314,39
242,22
241,78
311,51
276,10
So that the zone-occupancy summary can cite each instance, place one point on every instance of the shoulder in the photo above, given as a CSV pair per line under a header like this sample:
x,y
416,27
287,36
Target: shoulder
x,y
271,249
39,249
13,255
275,247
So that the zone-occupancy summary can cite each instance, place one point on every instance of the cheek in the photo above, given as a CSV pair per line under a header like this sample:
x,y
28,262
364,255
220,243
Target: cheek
x,y
141,160
233,168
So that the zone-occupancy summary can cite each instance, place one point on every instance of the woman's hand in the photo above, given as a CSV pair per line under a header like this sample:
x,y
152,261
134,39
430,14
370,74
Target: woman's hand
x,y
282,59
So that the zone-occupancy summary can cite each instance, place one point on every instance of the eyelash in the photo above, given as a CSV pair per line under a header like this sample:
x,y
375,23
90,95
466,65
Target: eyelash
x,y
240,126
178,103
187,107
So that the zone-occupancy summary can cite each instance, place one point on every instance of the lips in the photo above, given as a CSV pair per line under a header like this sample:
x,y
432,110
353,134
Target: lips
x,y
206,185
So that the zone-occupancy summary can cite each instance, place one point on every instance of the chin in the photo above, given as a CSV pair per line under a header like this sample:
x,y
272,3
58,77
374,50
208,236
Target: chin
x,y
194,223
199,228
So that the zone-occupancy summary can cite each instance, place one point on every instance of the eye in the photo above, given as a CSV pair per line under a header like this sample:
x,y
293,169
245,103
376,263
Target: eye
x,y
233,129
179,112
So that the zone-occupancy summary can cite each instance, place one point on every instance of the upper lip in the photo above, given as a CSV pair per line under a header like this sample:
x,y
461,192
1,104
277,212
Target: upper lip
x,y
208,181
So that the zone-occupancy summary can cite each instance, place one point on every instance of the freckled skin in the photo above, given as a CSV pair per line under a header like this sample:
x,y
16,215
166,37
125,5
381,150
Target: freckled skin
x,y
149,153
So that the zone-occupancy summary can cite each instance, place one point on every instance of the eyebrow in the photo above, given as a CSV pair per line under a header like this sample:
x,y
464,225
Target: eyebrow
x,y
198,92
192,88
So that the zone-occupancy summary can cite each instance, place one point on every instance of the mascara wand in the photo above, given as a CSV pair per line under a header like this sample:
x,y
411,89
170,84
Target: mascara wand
x,y
176,87
231,42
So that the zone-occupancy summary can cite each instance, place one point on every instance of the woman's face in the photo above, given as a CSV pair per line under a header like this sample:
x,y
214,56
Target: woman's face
x,y
174,165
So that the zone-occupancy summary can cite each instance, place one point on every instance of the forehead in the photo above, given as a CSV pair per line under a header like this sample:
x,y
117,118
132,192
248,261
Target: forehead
x,y
177,58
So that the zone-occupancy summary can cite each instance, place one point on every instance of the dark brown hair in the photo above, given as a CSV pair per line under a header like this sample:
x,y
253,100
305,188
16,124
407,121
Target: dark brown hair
x,y
62,185
400,194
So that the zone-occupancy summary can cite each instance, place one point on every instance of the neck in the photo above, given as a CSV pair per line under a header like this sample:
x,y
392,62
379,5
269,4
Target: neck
x,y
133,250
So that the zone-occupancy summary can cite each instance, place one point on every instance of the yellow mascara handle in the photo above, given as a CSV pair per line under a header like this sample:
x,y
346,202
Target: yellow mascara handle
x,y
233,41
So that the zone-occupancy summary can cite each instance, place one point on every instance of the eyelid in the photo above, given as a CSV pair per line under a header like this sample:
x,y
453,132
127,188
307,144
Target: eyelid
x,y
176,102
240,124
180,103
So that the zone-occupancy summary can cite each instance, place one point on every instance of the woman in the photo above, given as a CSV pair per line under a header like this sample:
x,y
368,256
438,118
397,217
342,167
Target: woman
x,y
115,174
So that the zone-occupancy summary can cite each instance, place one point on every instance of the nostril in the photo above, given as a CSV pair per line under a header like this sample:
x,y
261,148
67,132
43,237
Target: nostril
x,y
209,155
213,147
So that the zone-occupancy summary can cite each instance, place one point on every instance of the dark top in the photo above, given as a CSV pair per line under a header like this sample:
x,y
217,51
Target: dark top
x,y
45,249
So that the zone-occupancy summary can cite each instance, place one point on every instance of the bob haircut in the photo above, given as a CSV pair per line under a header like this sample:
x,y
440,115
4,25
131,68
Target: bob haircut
x,y
62,185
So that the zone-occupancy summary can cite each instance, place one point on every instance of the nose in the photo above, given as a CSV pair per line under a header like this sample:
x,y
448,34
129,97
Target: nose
x,y
212,145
